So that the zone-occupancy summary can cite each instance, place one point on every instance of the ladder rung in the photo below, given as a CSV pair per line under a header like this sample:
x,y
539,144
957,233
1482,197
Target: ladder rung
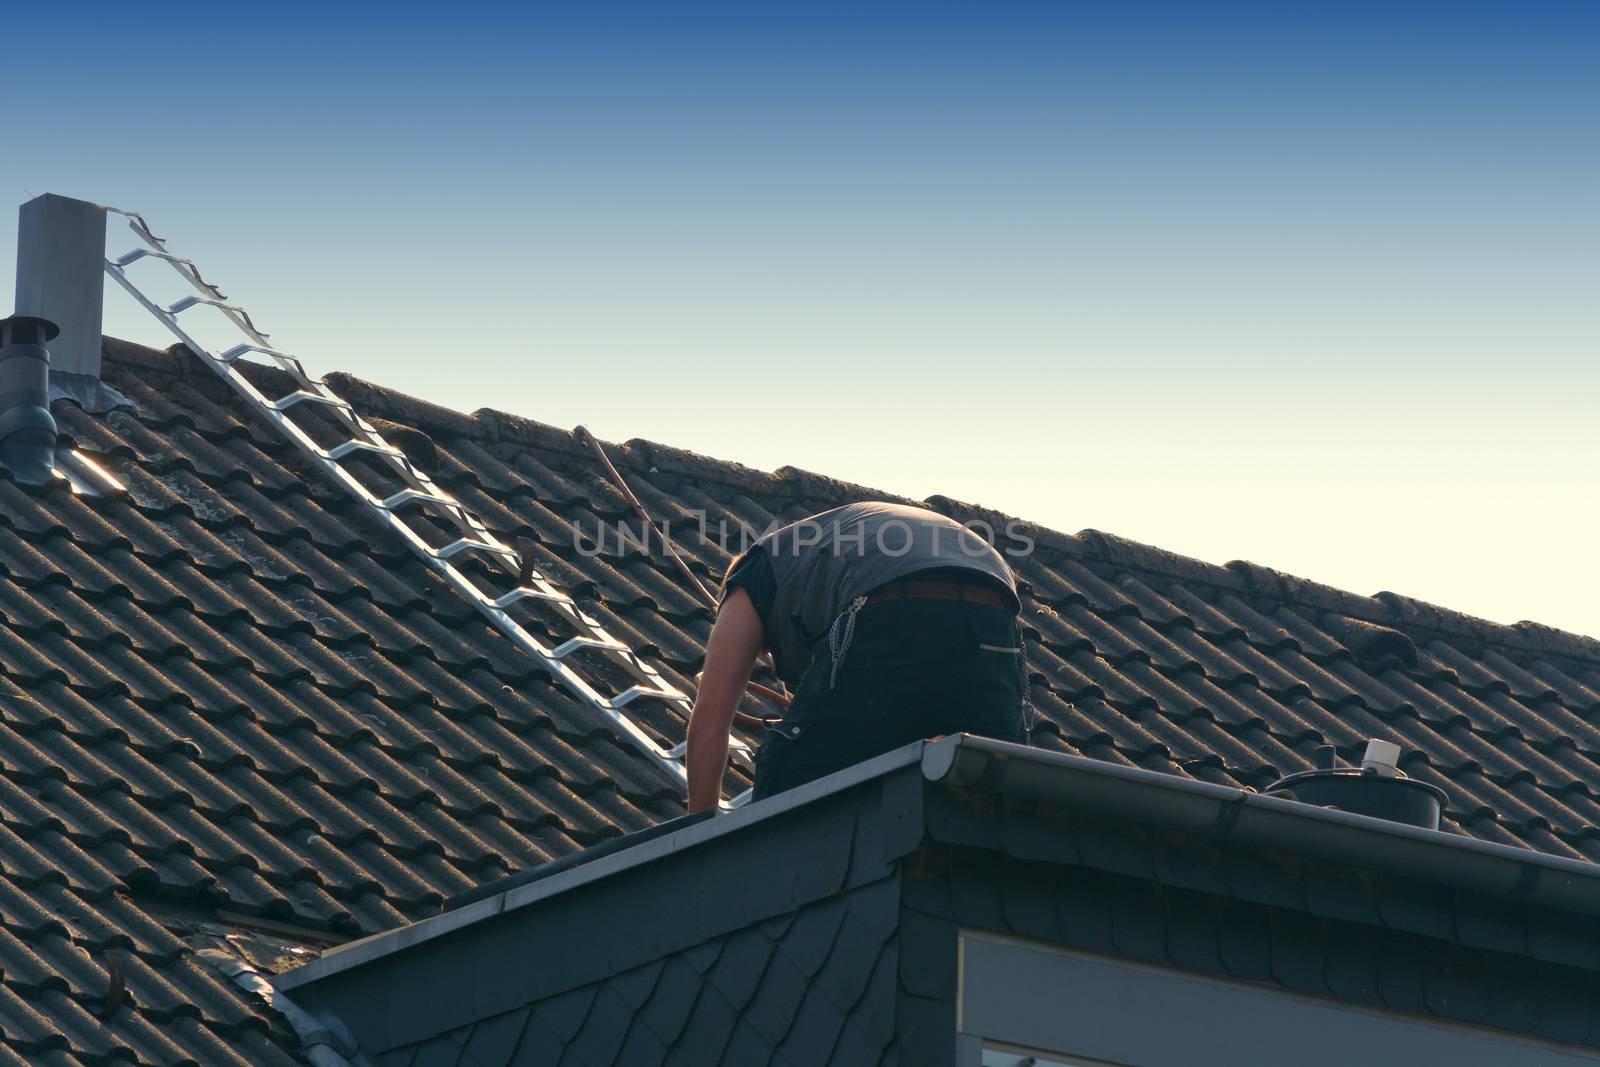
x,y
572,644
408,496
525,593
244,350
741,752
195,301
639,692
302,396
140,253
469,544
341,451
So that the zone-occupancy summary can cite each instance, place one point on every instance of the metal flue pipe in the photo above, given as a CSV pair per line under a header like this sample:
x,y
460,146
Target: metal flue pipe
x,y
27,429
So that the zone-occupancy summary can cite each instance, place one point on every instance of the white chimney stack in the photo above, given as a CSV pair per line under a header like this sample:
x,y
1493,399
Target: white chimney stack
x,y
61,248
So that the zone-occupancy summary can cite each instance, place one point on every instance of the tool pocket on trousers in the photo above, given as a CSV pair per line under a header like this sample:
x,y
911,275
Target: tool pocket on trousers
x,y
993,632
897,636
809,699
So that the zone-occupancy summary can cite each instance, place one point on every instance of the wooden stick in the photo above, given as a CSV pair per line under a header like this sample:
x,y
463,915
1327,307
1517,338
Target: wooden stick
x,y
620,484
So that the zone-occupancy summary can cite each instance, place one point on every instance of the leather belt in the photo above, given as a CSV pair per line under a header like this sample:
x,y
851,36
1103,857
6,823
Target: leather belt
x,y
914,590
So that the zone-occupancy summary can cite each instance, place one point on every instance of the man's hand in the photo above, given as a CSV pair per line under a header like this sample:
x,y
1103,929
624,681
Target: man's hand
x,y
730,656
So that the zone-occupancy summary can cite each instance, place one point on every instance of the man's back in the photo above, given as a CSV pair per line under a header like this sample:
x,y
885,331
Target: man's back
x,y
821,563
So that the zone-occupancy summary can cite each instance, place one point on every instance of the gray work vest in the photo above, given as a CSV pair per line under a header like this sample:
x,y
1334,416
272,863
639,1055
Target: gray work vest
x,y
822,563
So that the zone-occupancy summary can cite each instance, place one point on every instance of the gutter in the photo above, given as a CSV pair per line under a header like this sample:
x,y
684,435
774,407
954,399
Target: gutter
x,y
1221,813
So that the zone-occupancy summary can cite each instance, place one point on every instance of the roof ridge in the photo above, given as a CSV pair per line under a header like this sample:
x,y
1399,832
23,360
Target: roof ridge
x,y
1237,576
172,360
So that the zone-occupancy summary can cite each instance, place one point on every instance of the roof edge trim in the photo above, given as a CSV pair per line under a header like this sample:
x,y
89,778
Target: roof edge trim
x,y
1222,813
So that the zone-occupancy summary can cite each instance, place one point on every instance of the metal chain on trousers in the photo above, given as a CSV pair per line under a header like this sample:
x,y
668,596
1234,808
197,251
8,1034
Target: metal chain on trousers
x,y
839,644
1027,685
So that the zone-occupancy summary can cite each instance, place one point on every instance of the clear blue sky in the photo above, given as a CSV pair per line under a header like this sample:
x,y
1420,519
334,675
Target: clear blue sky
x,y
1312,288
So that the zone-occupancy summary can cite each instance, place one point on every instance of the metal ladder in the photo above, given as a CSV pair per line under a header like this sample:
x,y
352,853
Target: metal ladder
x,y
422,492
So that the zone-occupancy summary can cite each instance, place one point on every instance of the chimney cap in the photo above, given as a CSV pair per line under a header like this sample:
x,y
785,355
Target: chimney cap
x,y
10,325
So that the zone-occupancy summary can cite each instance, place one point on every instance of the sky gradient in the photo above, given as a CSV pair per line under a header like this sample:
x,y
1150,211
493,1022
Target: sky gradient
x,y
1317,290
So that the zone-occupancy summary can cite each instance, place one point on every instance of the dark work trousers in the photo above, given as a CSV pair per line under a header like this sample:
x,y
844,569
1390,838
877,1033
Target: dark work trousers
x,y
914,668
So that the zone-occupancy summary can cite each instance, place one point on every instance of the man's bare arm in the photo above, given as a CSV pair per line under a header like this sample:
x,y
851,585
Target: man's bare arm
x,y
730,656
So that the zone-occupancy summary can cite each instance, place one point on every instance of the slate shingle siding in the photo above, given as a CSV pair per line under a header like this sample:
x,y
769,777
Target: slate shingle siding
x,y
225,688
816,986
760,947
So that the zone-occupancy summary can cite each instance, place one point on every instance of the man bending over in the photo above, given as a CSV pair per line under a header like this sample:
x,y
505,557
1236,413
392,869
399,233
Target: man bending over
x,y
888,623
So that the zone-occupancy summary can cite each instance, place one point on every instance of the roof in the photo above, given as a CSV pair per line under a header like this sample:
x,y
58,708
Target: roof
x,y
961,830
224,692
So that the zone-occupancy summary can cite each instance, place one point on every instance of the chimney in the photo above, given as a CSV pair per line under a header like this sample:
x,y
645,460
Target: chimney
x,y
27,429
61,249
